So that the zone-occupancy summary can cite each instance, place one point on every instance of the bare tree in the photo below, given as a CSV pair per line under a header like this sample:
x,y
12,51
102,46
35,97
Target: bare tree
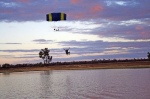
x,y
44,54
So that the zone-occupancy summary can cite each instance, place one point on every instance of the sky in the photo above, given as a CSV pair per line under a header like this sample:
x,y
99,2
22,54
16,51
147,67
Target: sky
x,y
94,29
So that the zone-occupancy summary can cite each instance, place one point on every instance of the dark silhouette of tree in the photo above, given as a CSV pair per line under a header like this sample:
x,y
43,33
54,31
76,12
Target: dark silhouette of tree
x,y
148,56
44,54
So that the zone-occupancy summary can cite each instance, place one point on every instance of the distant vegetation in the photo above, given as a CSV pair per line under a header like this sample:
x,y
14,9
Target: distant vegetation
x,y
96,61
44,54
148,55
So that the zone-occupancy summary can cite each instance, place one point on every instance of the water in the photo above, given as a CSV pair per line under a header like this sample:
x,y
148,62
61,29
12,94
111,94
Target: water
x,y
77,84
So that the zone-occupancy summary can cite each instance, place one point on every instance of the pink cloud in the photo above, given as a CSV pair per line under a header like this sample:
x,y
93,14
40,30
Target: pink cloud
x,y
139,28
79,16
96,9
145,34
76,15
6,11
23,1
75,1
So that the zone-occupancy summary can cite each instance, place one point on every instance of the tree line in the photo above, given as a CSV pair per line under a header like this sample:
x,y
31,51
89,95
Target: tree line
x,y
95,61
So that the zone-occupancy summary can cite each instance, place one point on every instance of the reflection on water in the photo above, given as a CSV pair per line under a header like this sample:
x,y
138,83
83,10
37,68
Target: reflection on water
x,y
77,84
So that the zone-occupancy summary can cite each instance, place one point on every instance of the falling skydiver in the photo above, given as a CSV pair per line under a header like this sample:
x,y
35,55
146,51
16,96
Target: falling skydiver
x,y
67,51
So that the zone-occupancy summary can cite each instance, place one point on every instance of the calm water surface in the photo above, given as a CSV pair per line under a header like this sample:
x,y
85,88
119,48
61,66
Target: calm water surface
x,y
77,84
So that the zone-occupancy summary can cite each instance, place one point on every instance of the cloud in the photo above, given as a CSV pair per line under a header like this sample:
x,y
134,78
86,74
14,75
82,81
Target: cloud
x,y
75,1
16,56
130,30
20,10
96,9
81,47
20,50
84,50
43,41
11,43
23,1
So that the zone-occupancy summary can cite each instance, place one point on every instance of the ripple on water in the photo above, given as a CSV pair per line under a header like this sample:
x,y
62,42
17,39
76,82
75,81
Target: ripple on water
x,y
77,84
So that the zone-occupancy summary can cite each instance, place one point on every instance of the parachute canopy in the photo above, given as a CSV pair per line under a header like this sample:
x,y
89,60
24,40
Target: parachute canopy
x,y
56,16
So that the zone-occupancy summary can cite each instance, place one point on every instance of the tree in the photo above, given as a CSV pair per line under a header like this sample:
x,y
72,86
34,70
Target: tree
x,y
44,54
148,55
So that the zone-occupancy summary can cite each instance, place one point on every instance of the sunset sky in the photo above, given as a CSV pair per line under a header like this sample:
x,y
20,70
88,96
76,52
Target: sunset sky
x,y
94,29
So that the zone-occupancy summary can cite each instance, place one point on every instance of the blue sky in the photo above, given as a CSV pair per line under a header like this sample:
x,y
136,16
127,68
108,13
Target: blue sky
x,y
94,29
